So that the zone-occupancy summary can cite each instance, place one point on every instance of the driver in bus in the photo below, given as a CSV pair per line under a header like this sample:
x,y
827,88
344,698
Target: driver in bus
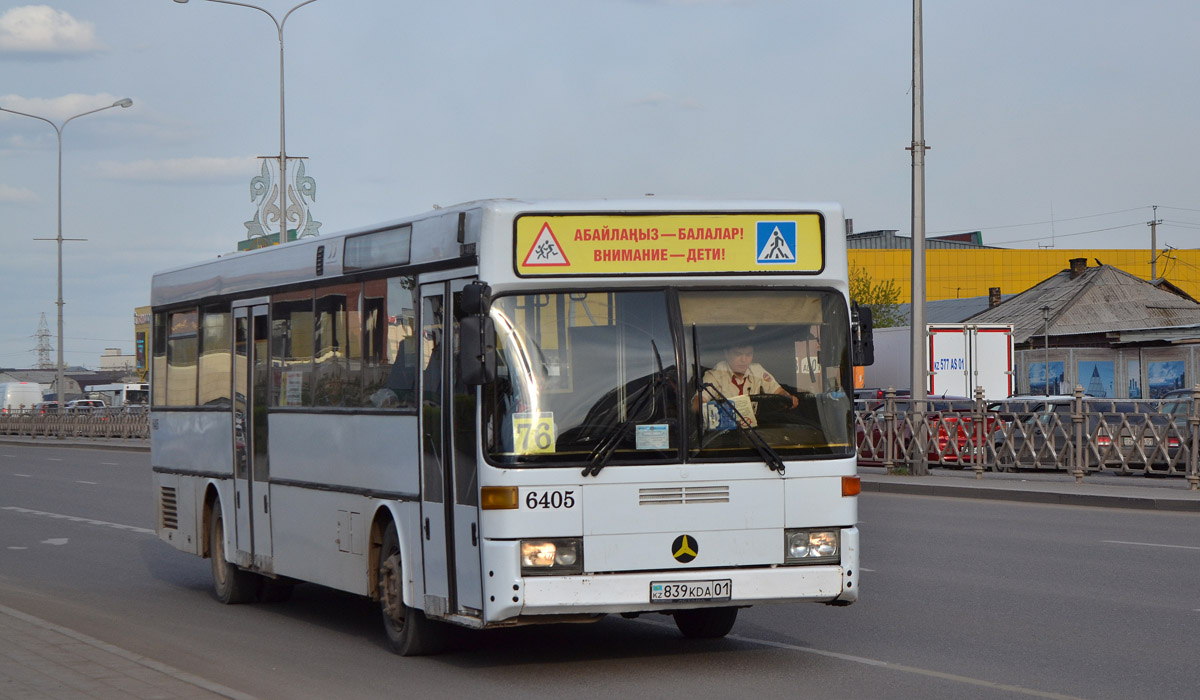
x,y
739,375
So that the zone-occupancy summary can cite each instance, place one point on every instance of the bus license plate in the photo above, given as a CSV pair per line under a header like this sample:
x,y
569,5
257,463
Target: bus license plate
x,y
689,591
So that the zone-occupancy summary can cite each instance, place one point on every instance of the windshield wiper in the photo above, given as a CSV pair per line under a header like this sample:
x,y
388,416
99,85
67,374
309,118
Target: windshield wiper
x,y
609,441
764,450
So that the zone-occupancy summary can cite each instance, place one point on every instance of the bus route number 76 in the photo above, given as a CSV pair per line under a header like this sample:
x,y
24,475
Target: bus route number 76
x,y
549,499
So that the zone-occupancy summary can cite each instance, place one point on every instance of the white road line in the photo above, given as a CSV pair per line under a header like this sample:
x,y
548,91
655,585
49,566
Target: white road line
x,y
887,665
110,464
93,483
53,459
23,476
74,519
1150,544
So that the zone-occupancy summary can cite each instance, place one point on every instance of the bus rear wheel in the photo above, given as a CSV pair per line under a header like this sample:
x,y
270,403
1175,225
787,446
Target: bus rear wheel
x,y
705,623
231,585
409,632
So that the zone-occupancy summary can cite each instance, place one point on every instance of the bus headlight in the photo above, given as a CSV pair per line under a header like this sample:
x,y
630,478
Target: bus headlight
x,y
810,546
551,557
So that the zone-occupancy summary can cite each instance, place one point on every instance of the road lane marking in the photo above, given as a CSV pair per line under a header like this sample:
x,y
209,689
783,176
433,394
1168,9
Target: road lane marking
x,y
110,464
1150,544
23,476
53,459
889,666
57,541
75,519
93,483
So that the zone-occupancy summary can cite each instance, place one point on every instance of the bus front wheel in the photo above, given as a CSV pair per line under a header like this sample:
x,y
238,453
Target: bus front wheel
x,y
409,632
705,623
231,585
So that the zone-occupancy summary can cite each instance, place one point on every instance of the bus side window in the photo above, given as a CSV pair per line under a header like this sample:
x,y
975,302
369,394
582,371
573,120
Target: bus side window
x,y
390,351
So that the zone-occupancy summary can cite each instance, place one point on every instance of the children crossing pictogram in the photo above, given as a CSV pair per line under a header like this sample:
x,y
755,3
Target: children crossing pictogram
x,y
546,251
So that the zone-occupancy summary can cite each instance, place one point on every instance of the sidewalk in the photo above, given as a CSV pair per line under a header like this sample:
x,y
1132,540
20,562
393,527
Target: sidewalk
x,y
40,660
1097,490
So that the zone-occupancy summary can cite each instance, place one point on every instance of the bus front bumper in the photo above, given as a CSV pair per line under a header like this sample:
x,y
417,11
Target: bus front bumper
x,y
508,597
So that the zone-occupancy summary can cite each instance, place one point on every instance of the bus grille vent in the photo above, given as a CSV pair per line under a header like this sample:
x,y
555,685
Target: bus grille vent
x,y
679,495
170,509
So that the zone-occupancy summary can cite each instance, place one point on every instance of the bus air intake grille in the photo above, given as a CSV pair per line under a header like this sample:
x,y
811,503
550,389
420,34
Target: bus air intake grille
x,y
680,495
170,509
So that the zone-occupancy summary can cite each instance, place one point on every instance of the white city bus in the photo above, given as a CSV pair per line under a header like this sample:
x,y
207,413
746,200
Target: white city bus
x,y
511,412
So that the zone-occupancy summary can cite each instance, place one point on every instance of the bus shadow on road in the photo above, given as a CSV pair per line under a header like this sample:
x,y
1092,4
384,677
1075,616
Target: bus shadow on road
x,y
612,637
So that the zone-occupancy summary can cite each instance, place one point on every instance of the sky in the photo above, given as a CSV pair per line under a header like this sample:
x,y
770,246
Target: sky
x,y
1049,122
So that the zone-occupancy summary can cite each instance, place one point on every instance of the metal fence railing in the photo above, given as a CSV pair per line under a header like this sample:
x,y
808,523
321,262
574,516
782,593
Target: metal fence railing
x,y
1077,434
100,424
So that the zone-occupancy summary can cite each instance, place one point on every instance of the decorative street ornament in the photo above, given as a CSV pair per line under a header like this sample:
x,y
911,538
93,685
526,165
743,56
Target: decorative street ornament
x,y
264,192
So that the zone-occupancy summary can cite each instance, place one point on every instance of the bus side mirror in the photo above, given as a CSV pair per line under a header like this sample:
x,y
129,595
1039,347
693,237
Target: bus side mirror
x,y
477,349
476,299
862,342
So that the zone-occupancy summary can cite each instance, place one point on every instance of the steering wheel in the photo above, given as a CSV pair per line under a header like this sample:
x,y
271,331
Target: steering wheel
x,y
771,403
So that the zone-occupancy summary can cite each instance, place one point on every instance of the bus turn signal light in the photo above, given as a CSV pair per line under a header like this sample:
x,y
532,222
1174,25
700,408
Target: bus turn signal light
x,y
501,497
851,485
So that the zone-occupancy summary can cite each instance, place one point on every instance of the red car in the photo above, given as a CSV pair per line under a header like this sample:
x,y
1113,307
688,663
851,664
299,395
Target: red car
x,y
953,436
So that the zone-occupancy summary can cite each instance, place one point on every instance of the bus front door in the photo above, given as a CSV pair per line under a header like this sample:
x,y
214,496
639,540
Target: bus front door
x,y
251,461
449,482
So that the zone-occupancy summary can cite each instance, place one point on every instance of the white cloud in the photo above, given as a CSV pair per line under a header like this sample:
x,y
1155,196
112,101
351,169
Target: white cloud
x,y
40,29
662,99
16,195
182,170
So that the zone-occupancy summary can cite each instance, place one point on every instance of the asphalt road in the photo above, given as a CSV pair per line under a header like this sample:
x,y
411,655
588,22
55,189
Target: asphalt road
x,y
961,599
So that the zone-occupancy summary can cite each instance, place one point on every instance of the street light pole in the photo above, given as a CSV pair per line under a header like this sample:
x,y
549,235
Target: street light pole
x,y
1046,344
282,131
60,376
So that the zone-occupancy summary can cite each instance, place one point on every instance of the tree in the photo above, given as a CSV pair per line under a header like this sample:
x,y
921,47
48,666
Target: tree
x,y
882,298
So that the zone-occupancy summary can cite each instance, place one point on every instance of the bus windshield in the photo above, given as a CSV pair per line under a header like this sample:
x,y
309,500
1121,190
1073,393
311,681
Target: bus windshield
x,y
595,375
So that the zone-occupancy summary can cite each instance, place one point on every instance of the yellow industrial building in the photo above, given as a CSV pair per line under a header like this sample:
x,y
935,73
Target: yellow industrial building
x,y
969,272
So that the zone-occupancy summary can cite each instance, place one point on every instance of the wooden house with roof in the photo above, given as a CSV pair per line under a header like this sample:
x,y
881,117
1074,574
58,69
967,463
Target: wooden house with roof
x,y
1100,327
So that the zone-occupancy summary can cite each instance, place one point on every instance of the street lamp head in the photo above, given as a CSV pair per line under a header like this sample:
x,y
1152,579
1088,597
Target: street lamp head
x,y
1045,312
181,2
126,102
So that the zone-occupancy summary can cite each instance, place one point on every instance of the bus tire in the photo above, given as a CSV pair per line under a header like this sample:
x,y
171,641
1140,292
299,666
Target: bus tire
x,y
409,632
705,623
231,585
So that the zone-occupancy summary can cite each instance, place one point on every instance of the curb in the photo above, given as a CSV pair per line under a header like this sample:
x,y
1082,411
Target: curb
x,y
1097,500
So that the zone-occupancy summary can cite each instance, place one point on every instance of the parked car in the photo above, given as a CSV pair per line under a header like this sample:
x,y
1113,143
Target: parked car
x,y
86,406
1120,435
953,436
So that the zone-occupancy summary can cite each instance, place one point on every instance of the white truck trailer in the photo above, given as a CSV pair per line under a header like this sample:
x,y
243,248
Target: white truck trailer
x,y
958,358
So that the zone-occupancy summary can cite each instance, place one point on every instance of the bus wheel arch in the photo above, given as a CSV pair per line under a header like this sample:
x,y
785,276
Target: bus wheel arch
x,y
409,632
231,584
211,500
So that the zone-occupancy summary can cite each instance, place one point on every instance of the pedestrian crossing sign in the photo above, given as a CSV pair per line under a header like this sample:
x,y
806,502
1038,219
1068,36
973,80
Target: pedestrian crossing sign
x,y
776,243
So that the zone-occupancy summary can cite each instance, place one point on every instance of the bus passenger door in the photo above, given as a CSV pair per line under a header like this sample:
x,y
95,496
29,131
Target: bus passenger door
x,y
250,468
435,546
449,487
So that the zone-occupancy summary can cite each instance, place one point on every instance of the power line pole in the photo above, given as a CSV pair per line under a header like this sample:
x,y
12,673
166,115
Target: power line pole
x,y
43,345
1153,224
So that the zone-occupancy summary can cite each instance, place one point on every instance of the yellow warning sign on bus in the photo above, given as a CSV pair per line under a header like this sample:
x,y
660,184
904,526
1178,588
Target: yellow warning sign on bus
x,y
652,244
